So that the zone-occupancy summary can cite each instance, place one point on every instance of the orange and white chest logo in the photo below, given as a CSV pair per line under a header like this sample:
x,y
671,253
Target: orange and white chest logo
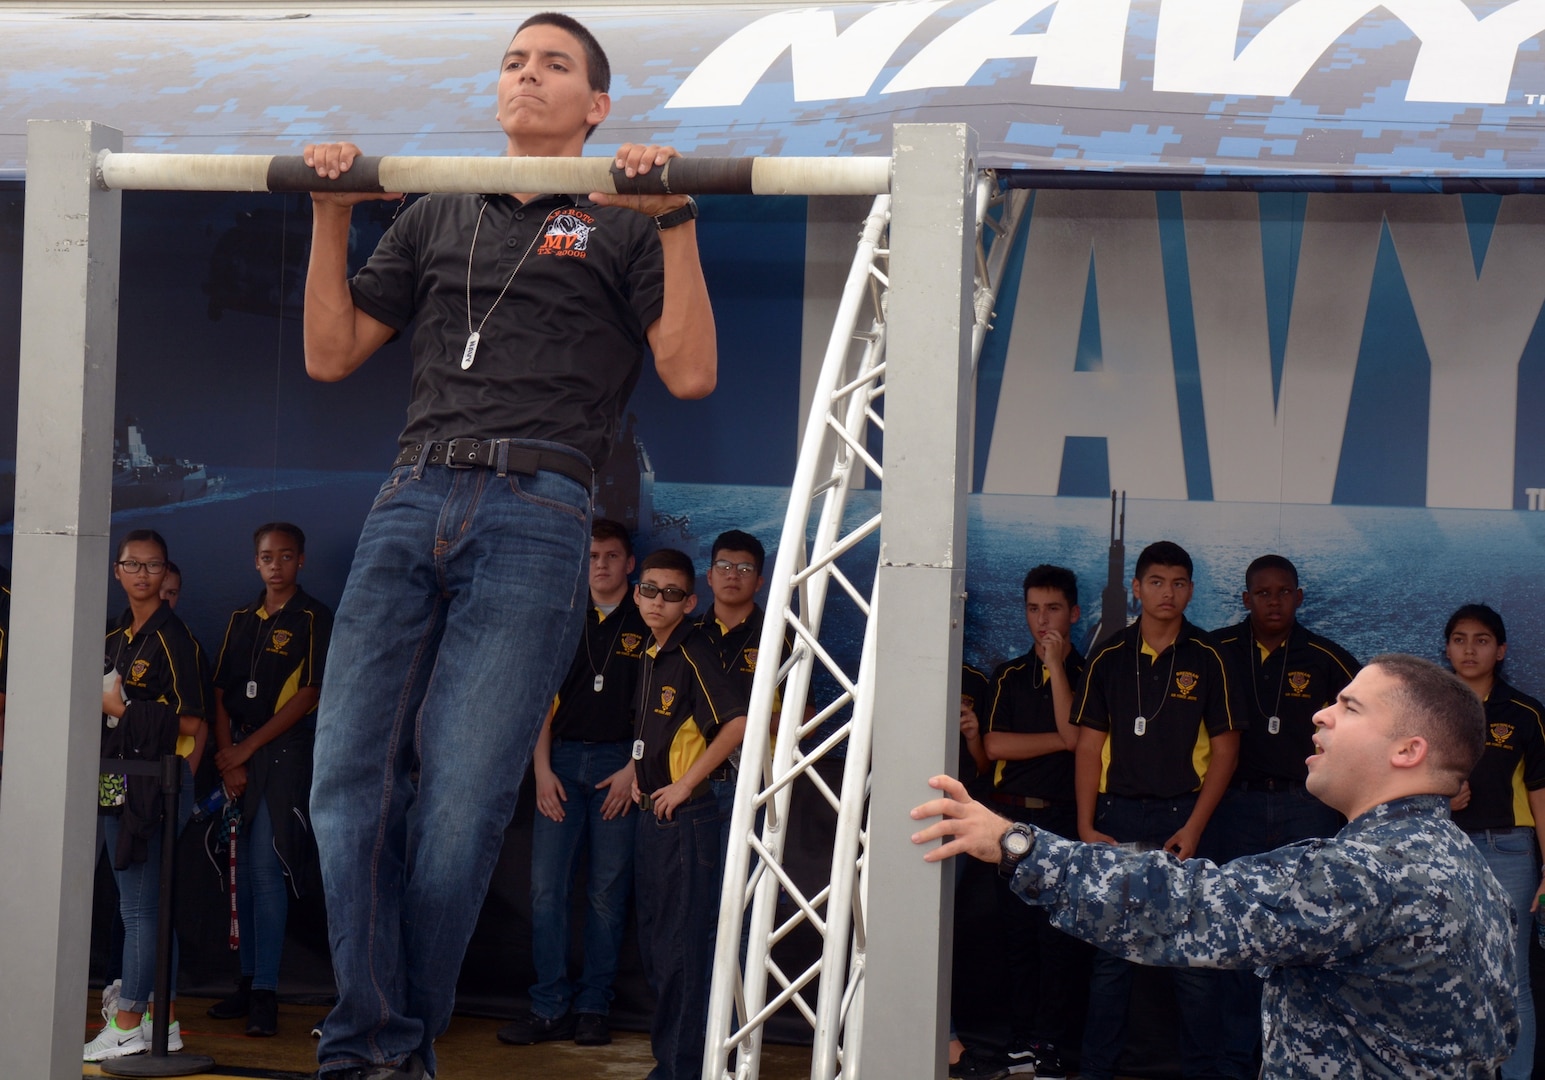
x,y
568,234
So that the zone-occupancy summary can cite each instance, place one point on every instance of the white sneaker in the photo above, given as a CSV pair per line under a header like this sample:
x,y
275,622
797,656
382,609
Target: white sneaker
x,y
173,1033
110,994
114,1042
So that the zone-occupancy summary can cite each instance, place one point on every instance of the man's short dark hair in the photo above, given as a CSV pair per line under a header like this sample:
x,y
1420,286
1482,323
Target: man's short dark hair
x,y
144,536
671,559
1046,576
1484,614
597,67
1271,562
292,531
173,568
736,540
607,529
1438,706
1163,553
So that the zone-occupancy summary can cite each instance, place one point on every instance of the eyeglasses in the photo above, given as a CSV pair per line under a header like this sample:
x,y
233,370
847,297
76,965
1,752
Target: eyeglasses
x,y
134,566
669,593
744,569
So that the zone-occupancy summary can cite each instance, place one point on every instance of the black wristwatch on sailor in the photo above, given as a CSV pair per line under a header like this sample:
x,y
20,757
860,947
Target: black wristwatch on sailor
x,y
1017,841
679,216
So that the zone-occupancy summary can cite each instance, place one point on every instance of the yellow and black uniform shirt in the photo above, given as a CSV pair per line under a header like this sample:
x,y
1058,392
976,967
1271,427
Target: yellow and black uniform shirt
x,y
274,654
976,695
595,702
738,646
1022,704
1186,695
160,663
1512,765
1293,682
684,695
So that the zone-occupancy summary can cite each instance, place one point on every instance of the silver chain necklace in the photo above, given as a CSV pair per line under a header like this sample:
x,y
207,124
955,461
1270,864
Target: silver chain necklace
x,y
469,353
1274,721
1140,725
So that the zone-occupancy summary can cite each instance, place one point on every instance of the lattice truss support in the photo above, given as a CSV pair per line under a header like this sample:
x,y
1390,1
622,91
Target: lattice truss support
x,y
825,705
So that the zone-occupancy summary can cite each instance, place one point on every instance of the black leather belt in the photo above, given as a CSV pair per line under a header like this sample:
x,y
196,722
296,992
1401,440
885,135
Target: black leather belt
x,y
501,455
1269,783
1024,802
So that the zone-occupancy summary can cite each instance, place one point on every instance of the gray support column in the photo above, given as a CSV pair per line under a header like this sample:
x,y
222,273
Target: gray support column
x,y
922,594
69,341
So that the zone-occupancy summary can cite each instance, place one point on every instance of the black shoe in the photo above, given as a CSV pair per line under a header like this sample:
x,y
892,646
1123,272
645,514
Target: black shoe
x,y
234,1006
977,1064
1038,1059
412,1069
591,1029
263,1016
529,1028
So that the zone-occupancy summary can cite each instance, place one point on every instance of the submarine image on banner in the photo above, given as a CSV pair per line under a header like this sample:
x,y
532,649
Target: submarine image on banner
x,y
141,480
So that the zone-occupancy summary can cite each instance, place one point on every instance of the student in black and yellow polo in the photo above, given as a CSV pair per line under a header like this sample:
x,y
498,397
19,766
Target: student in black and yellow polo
x,y
267,682
689,716
1286,674
1159,736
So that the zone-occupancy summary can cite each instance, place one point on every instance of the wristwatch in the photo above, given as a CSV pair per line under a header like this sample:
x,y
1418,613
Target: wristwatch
x,y
679,216
1015,843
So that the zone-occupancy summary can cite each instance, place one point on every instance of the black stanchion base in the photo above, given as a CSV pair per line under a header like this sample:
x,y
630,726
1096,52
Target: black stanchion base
x,y
178,1064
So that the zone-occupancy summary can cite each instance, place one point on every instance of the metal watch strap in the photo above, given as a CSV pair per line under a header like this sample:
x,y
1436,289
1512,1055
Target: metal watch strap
x,y
679,216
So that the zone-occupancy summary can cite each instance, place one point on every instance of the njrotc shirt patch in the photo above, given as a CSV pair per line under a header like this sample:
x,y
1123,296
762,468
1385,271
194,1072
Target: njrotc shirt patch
x,y
281,638
750,655
630,643
667,697
1298,683
568,234
1185,682
138,669
1501,734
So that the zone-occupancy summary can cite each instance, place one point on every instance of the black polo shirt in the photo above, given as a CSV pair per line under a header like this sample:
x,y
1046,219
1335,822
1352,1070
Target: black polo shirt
x,y
608,653
976,695
738,646
1511,766
1186,694
1298,679
278,653
684,696
160,663
1022,703
561,351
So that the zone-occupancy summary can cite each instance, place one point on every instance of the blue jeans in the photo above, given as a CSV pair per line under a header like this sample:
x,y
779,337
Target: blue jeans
x,y
262,901
1513,857
676,874
555,854
139,904
461,613
1149,822
1250,823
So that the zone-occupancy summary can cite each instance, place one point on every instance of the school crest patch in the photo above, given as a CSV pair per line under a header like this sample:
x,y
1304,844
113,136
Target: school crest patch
x,y
750,655
1500,733
667,696
282,638
631,642
1185,681
1299,681
138,668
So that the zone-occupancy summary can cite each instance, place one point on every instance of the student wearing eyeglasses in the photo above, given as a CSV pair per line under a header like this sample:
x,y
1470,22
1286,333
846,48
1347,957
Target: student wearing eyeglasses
x,y
688,716
152,705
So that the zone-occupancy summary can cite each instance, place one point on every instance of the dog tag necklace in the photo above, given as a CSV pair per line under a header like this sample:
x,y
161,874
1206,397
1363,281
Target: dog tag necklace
x,y
1274,721
1140,725
469,353
257,649
611,650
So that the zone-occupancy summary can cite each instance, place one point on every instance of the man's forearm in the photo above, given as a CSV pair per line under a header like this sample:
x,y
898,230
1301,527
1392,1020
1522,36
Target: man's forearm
x,y
329,318
684,340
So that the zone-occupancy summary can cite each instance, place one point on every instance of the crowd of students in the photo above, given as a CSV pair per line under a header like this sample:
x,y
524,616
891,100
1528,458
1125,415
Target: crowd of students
x,y
1171,737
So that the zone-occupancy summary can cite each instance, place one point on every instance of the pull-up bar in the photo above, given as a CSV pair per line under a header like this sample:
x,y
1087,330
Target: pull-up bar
x,y
474,175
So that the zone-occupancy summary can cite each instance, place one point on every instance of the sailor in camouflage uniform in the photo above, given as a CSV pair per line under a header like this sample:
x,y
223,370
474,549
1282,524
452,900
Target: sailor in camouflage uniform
x,y
1387,950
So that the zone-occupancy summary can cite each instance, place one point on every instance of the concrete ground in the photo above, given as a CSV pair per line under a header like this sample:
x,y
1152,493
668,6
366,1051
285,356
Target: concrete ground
x,y
468,1051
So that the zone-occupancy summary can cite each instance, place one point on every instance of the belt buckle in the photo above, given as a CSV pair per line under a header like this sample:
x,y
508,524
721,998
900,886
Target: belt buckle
x,y
645,802
450,454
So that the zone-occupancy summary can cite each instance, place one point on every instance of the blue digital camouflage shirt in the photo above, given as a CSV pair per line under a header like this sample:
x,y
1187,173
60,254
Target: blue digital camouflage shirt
x,y
1387,950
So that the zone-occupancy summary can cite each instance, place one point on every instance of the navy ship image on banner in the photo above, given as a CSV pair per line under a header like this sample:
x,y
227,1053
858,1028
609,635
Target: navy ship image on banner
x,y
140,480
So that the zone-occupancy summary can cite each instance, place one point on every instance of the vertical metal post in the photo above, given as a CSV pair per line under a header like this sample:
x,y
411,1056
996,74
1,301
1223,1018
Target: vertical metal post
x,y
69,341
922,580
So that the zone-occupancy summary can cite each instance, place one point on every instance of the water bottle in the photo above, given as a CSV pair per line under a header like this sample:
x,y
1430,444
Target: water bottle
x,y
1539,922
210,803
